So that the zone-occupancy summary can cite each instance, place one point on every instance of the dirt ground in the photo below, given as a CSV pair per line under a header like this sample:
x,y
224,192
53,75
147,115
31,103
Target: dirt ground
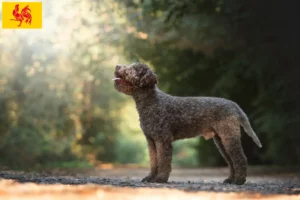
x,y
124,183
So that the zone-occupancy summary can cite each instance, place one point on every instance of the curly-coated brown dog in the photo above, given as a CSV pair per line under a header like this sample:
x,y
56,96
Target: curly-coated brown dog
x,y
165,118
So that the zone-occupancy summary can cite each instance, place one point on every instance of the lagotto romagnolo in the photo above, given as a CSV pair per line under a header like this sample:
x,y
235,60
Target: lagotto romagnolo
x,y
165,119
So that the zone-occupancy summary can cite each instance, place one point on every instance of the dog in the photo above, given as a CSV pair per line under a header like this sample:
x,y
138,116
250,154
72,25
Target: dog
x,y
165,118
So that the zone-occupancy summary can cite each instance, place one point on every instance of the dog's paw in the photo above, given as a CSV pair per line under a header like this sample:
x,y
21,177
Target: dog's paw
x,y
239,181
148,178
160,179
228,180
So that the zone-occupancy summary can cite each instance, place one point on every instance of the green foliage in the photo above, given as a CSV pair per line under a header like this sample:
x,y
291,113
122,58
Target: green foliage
x,y
185,153
128,153
81,164
57,100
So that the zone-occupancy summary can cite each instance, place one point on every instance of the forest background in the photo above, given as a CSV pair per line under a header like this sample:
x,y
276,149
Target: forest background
x,y
59,107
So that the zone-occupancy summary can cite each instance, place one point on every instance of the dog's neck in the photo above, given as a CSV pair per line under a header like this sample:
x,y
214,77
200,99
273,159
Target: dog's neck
x,y
143,94
145,97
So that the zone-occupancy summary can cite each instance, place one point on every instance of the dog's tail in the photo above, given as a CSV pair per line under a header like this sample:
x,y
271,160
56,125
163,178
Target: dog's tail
x,y
247,127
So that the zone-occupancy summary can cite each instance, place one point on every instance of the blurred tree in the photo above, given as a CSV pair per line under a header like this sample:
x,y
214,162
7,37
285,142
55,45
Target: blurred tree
x,y
56,95
231,49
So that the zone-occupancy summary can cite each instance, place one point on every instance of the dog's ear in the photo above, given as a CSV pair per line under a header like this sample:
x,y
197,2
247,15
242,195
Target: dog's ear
x,y
148,79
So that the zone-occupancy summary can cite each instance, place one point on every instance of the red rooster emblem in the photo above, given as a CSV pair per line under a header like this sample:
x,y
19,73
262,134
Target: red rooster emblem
x,y
25,14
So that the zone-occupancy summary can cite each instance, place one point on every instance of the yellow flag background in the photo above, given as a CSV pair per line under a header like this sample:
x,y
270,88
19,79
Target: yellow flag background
x,y
9,20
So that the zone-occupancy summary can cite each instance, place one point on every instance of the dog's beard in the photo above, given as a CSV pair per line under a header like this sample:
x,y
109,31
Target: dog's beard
x,y
123,86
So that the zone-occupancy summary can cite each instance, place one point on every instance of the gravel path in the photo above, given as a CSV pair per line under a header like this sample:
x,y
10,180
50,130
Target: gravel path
x,y
186,180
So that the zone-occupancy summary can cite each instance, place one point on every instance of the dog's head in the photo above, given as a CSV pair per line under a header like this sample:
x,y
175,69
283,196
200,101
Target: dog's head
x,y
129,78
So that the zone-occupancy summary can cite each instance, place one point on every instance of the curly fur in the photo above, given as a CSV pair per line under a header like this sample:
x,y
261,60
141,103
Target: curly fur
x,y
165,118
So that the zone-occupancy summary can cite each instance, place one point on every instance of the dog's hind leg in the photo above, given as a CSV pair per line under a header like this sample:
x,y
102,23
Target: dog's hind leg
x,y
230,137
234,149
225,155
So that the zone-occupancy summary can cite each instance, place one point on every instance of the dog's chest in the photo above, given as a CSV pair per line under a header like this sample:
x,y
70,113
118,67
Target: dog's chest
x,y
153,121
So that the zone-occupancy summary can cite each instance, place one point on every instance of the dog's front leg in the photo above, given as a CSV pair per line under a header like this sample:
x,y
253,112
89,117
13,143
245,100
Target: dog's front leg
x,y
153,161
164,160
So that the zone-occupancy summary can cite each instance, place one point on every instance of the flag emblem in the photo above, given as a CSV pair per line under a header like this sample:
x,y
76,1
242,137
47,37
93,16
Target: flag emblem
x,y
21,15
